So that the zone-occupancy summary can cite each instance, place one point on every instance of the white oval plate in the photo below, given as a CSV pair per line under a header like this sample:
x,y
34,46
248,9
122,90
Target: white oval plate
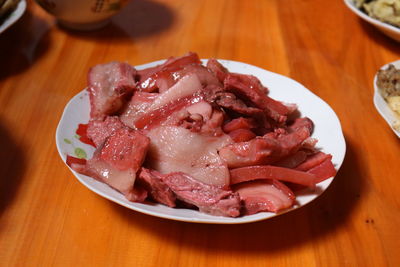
x,y
327,130
381,105
13,16
388,29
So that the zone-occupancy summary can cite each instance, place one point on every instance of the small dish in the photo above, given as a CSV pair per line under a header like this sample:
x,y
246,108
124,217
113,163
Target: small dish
x,y
327,130
381,105
13,16
390,30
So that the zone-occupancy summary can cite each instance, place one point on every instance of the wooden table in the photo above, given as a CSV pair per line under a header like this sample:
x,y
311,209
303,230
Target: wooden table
x,y
47,218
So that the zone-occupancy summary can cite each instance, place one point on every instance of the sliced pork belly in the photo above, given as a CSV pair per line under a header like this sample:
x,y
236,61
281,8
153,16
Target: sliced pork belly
x,y
118,160
156,187
186,86
99,130
151,79
137,106
208,198
263,150
108,86
175,149
180,95
266,195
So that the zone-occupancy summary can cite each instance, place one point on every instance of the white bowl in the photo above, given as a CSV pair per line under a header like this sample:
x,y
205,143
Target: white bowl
x,y
82,14
390,30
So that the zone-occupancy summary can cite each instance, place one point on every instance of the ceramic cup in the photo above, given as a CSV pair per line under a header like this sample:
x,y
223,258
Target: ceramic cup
x,y
82,14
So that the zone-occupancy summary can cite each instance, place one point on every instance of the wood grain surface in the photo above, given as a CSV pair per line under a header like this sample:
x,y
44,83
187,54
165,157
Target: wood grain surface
x,y
47,218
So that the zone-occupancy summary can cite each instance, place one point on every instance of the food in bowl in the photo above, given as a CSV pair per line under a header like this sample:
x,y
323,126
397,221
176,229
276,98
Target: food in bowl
x,y
185,134
384,10
388,82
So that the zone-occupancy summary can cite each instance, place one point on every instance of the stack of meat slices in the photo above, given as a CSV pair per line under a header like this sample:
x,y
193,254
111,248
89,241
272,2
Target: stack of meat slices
x,y
188,135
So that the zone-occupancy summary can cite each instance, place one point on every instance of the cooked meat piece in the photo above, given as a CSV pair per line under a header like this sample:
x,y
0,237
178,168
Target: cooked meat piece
x,y
263,150
292,160
302,122
240,123
208,198
267,195
148,77
180,95
99,130
118,160
217,95
156,187
137,106
249,88
218,69
108,86
175,149
242,135
313,161
250,173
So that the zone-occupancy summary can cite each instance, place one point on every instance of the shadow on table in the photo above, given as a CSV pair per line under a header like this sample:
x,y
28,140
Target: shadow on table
x,y
12,167
316,220
380,37
23,44
139,18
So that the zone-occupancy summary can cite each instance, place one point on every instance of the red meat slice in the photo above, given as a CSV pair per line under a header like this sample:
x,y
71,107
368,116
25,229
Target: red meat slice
x,y
108,86
266,195
239,123
208,198
293,160
242,135
176,149
125,149
99,130
324,170
263,150
148,77
117,161
137,194
250,89
218,69
244,174
158,190
215,94
302,122
137,106
313,160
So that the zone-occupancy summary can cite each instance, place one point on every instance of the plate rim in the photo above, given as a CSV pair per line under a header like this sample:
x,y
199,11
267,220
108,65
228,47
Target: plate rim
x,y
212,219
14,16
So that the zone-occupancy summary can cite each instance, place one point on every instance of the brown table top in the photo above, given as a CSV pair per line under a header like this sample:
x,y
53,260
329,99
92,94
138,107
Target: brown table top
x,y
48,218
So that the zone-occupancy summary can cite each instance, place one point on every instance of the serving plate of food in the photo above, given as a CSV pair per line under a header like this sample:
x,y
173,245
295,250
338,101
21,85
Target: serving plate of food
x,y
204,141
10,12
387,94
383,14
